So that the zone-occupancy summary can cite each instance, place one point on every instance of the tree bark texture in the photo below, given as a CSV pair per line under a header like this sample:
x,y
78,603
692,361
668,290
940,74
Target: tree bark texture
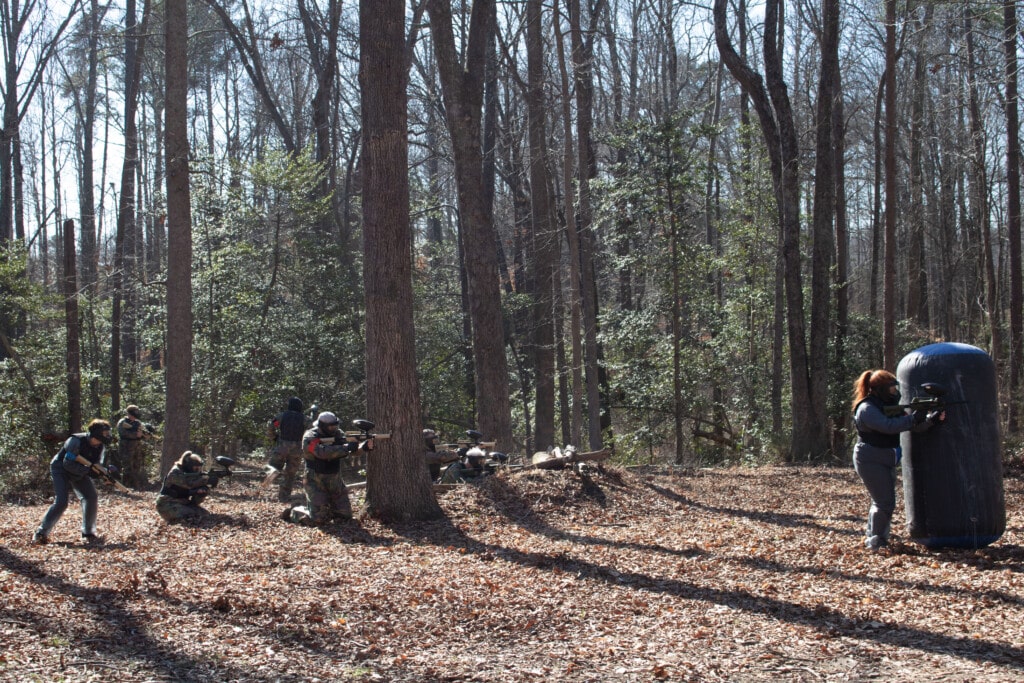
x,y
462,90
398,482
179,240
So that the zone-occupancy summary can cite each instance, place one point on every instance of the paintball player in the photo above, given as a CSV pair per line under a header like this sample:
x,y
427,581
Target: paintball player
x,y
436,458
185,487
131,432
70,469
470,465
286,457
323,447
877,452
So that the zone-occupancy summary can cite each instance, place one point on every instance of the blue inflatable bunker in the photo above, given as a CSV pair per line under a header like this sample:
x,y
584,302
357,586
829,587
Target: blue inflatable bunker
x,y
952,473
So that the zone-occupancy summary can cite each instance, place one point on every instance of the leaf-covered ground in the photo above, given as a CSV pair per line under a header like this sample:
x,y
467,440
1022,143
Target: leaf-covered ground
x,y
711,575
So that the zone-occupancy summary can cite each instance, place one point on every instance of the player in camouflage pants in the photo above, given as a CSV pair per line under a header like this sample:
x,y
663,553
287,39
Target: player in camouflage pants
x,y
323,447
185,488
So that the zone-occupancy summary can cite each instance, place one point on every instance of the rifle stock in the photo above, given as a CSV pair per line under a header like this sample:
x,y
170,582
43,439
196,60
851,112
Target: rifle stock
x,y
102,471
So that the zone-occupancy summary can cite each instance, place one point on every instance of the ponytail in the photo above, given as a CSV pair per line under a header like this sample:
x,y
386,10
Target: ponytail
x,y
869,380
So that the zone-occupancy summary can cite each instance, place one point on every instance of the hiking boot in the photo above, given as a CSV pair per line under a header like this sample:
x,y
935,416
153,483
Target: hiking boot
x,y
92,539
40,537
286,514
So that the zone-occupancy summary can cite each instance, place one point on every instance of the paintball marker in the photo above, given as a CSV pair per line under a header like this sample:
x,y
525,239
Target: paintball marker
x,y
363,432
932,402
102,472
226,464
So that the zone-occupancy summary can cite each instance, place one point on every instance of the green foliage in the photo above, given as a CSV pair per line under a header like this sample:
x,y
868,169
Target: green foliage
x,y
32,377
276,308
723,292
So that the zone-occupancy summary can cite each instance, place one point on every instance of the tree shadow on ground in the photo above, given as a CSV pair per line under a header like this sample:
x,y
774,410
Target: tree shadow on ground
x,y
115,632
788,520
819,617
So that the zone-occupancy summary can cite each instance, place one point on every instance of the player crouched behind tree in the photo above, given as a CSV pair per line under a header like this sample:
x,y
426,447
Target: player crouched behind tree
x,y
185,487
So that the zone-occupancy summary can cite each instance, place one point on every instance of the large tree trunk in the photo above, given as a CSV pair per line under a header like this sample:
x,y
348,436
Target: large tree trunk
x,y
398,482
462,89
889,260
824,209
179,240
543,239
597,380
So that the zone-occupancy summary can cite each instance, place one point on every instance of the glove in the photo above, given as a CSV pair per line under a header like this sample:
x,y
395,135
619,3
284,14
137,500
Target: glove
x,y
213,479
920,416
113,470
937,417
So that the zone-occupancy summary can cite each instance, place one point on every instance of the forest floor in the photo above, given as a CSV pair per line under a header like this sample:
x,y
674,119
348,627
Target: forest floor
x,y
630,575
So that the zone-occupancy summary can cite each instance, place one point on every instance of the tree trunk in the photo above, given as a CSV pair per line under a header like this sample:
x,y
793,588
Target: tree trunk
x,y
544,236
179,239
597,380
842,272
809,428
124,257
824,211
398,482
889,260
979,195
1013,210
462,90
71,324
917,276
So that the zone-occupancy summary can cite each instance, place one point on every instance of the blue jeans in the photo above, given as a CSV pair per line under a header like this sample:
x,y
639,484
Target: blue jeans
x,y
62,485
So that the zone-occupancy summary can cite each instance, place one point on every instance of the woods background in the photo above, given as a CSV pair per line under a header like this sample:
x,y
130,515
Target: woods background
x,y
675,228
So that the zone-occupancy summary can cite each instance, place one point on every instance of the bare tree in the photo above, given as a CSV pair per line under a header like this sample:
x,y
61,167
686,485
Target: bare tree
x,y
810,428
462,90
18,96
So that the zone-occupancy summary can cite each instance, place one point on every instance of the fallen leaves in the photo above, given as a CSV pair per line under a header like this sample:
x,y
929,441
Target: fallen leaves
x,y
538,575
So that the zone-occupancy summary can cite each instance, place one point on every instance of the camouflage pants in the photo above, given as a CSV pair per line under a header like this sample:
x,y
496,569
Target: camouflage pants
x,y
326,499
286,457
178,509
133,463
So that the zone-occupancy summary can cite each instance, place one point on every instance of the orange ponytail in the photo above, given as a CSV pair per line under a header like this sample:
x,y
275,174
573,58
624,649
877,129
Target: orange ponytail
x,y
868,380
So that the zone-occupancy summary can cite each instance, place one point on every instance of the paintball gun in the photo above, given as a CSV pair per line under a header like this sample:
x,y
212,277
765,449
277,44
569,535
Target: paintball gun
x,y
931,402
225,471
103,472
363,432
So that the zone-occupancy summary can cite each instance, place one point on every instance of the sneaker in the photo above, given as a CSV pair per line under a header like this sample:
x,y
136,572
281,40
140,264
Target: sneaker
x,y
40,538
92,539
